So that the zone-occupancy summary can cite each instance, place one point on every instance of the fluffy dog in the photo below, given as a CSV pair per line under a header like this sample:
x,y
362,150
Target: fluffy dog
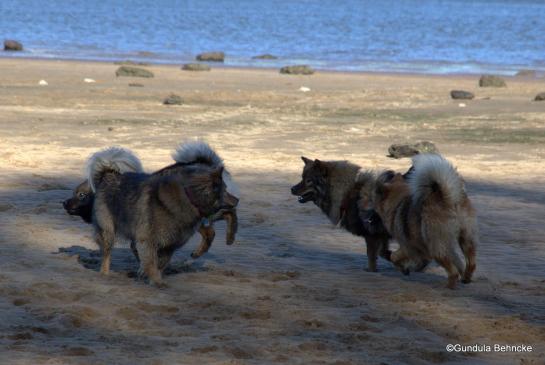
x,y
336,187
159,212
429,214
190,153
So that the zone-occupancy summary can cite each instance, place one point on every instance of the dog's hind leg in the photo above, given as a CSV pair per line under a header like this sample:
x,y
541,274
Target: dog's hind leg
x,y
134,251
105,240
163,257
468,245
149,263
385,251
208,234
452,270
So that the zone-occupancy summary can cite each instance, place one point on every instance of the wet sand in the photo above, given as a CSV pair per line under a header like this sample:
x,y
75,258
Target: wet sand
x,y
292,289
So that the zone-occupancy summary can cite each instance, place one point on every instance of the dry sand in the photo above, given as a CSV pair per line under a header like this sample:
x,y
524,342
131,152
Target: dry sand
x,y
292,289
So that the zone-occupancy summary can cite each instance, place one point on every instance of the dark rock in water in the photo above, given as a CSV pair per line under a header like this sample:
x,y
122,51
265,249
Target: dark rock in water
x,y
409,150
211,56
195,67
5,207
131,63
526,73
265,56
133,72
297,70
491,81
135,84
173,99
540,97
11,45
461,94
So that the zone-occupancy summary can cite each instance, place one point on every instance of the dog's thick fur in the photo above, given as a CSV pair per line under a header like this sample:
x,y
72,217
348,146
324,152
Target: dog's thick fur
x,y
159,212
430,214
189,153
335,187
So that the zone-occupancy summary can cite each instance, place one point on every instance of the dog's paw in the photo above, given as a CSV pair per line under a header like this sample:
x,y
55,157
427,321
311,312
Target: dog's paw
x,y
196,254
160,284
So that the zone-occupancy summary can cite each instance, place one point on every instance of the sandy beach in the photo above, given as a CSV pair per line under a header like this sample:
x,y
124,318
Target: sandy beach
x,y
292,289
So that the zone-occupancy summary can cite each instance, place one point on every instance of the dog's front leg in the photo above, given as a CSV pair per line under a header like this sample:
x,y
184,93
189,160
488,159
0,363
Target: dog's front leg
x,y
232,225
375,245
105,240
208,233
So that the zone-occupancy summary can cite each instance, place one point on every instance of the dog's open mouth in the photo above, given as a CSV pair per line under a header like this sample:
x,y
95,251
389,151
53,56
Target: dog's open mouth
x,y
306,197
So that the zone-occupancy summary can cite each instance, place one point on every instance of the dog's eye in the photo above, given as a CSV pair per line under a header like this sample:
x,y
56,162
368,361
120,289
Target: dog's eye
x,y
82,195
308,181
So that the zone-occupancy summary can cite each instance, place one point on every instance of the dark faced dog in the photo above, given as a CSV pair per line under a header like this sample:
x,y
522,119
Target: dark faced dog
x,y
335,187
187,154
157,212
81,202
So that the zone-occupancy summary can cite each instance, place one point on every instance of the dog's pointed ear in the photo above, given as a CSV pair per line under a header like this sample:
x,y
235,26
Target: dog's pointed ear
x,y
217,174
379,189
322,167
397,178
307,161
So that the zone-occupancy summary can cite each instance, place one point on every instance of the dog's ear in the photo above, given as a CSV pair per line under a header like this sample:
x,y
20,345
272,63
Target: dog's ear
x,y
217,174
322,167
398,178
380,190
307,161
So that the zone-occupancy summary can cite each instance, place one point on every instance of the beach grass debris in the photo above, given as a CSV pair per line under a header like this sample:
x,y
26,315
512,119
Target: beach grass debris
x,y
265,56
173,99
297,70
491,81
195,67
129,71
211,56
11,45
409,150
540,97
461,94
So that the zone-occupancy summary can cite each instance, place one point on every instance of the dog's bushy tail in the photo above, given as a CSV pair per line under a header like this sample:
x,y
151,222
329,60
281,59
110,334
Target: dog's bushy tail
x,y
434,174
112,159
200,152
197,151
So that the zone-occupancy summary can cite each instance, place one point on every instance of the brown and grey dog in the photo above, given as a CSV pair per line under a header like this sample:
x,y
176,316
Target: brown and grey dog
x,y
190,153
335,187
429,214
159,212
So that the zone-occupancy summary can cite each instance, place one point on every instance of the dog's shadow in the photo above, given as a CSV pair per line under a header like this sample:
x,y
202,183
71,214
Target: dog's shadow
x,y
123,261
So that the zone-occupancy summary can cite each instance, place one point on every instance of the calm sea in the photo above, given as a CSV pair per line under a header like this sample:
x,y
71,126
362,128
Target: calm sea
x,y
429,36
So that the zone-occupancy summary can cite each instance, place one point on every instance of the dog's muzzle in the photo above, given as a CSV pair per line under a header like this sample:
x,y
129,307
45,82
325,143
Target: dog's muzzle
x,y
302,197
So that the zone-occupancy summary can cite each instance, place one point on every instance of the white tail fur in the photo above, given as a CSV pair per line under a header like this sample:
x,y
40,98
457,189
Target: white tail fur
x,y
111,159
432,172
198,151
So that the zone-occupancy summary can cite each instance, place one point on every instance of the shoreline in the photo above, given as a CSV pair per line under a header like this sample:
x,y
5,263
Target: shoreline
x,y
539,73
